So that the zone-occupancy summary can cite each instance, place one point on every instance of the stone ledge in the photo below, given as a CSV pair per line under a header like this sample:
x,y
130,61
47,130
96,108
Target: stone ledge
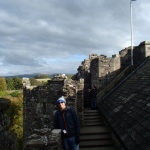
x,y
38,143
50,139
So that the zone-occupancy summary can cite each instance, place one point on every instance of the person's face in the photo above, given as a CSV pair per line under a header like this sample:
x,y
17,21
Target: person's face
x,y
62,105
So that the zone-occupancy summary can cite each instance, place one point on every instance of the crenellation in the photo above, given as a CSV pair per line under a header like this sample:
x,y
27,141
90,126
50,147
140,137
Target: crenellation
x,y
93,56
115,55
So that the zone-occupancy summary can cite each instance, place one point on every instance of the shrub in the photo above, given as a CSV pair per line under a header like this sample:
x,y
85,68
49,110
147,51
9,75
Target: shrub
x,y
15,94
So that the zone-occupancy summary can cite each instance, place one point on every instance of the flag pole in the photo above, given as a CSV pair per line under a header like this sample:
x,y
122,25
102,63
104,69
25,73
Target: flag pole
x,y
131,32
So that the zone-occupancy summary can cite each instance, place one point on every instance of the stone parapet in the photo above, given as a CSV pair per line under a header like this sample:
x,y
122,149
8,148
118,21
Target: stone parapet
x,y
40,104
44,139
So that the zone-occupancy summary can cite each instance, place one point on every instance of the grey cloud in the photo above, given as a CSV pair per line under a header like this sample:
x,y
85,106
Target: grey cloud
x,y
19,58
41,33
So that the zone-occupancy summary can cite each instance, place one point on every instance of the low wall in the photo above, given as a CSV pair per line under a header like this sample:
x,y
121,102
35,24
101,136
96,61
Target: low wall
x,y
40,104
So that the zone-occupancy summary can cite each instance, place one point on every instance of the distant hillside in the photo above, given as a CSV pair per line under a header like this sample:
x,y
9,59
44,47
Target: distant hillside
x,y
33,75
22,75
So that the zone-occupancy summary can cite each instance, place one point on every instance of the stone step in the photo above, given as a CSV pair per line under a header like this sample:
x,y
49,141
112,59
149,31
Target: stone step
x,y
94,130
93,120
92,114
90,111
93,124
96,143
95,137
91,117
98,148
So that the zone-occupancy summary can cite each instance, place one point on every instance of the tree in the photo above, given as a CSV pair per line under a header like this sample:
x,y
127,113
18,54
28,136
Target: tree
x,y
41,76
17,83
3,85
10,84
33,82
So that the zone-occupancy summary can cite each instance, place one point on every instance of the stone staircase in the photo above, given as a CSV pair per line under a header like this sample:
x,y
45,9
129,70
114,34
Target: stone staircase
x,y
95,135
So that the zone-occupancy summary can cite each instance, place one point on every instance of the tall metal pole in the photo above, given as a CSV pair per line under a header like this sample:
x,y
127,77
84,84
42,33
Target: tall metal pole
x,y
131,32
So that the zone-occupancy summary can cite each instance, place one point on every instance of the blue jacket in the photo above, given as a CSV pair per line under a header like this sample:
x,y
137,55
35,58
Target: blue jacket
x,y
67,120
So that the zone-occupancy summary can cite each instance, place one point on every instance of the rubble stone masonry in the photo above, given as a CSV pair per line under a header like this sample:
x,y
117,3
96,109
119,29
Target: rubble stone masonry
x,y
101,70
40,106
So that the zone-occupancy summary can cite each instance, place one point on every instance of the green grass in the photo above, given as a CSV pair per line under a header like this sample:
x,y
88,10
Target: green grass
x,y
15,94
3,93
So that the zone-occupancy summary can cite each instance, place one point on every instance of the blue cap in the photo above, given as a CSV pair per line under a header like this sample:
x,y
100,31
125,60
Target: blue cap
x,y
61,99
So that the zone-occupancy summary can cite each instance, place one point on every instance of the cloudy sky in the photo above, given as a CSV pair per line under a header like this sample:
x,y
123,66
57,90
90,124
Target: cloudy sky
x,y
55,36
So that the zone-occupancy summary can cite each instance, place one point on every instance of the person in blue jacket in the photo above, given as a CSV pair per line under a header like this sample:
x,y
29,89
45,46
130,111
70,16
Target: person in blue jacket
x,y
66,119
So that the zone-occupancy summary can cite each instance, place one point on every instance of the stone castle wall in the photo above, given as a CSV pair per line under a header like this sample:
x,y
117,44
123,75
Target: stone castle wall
x,y
7,140
40,105
102,70
40,102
